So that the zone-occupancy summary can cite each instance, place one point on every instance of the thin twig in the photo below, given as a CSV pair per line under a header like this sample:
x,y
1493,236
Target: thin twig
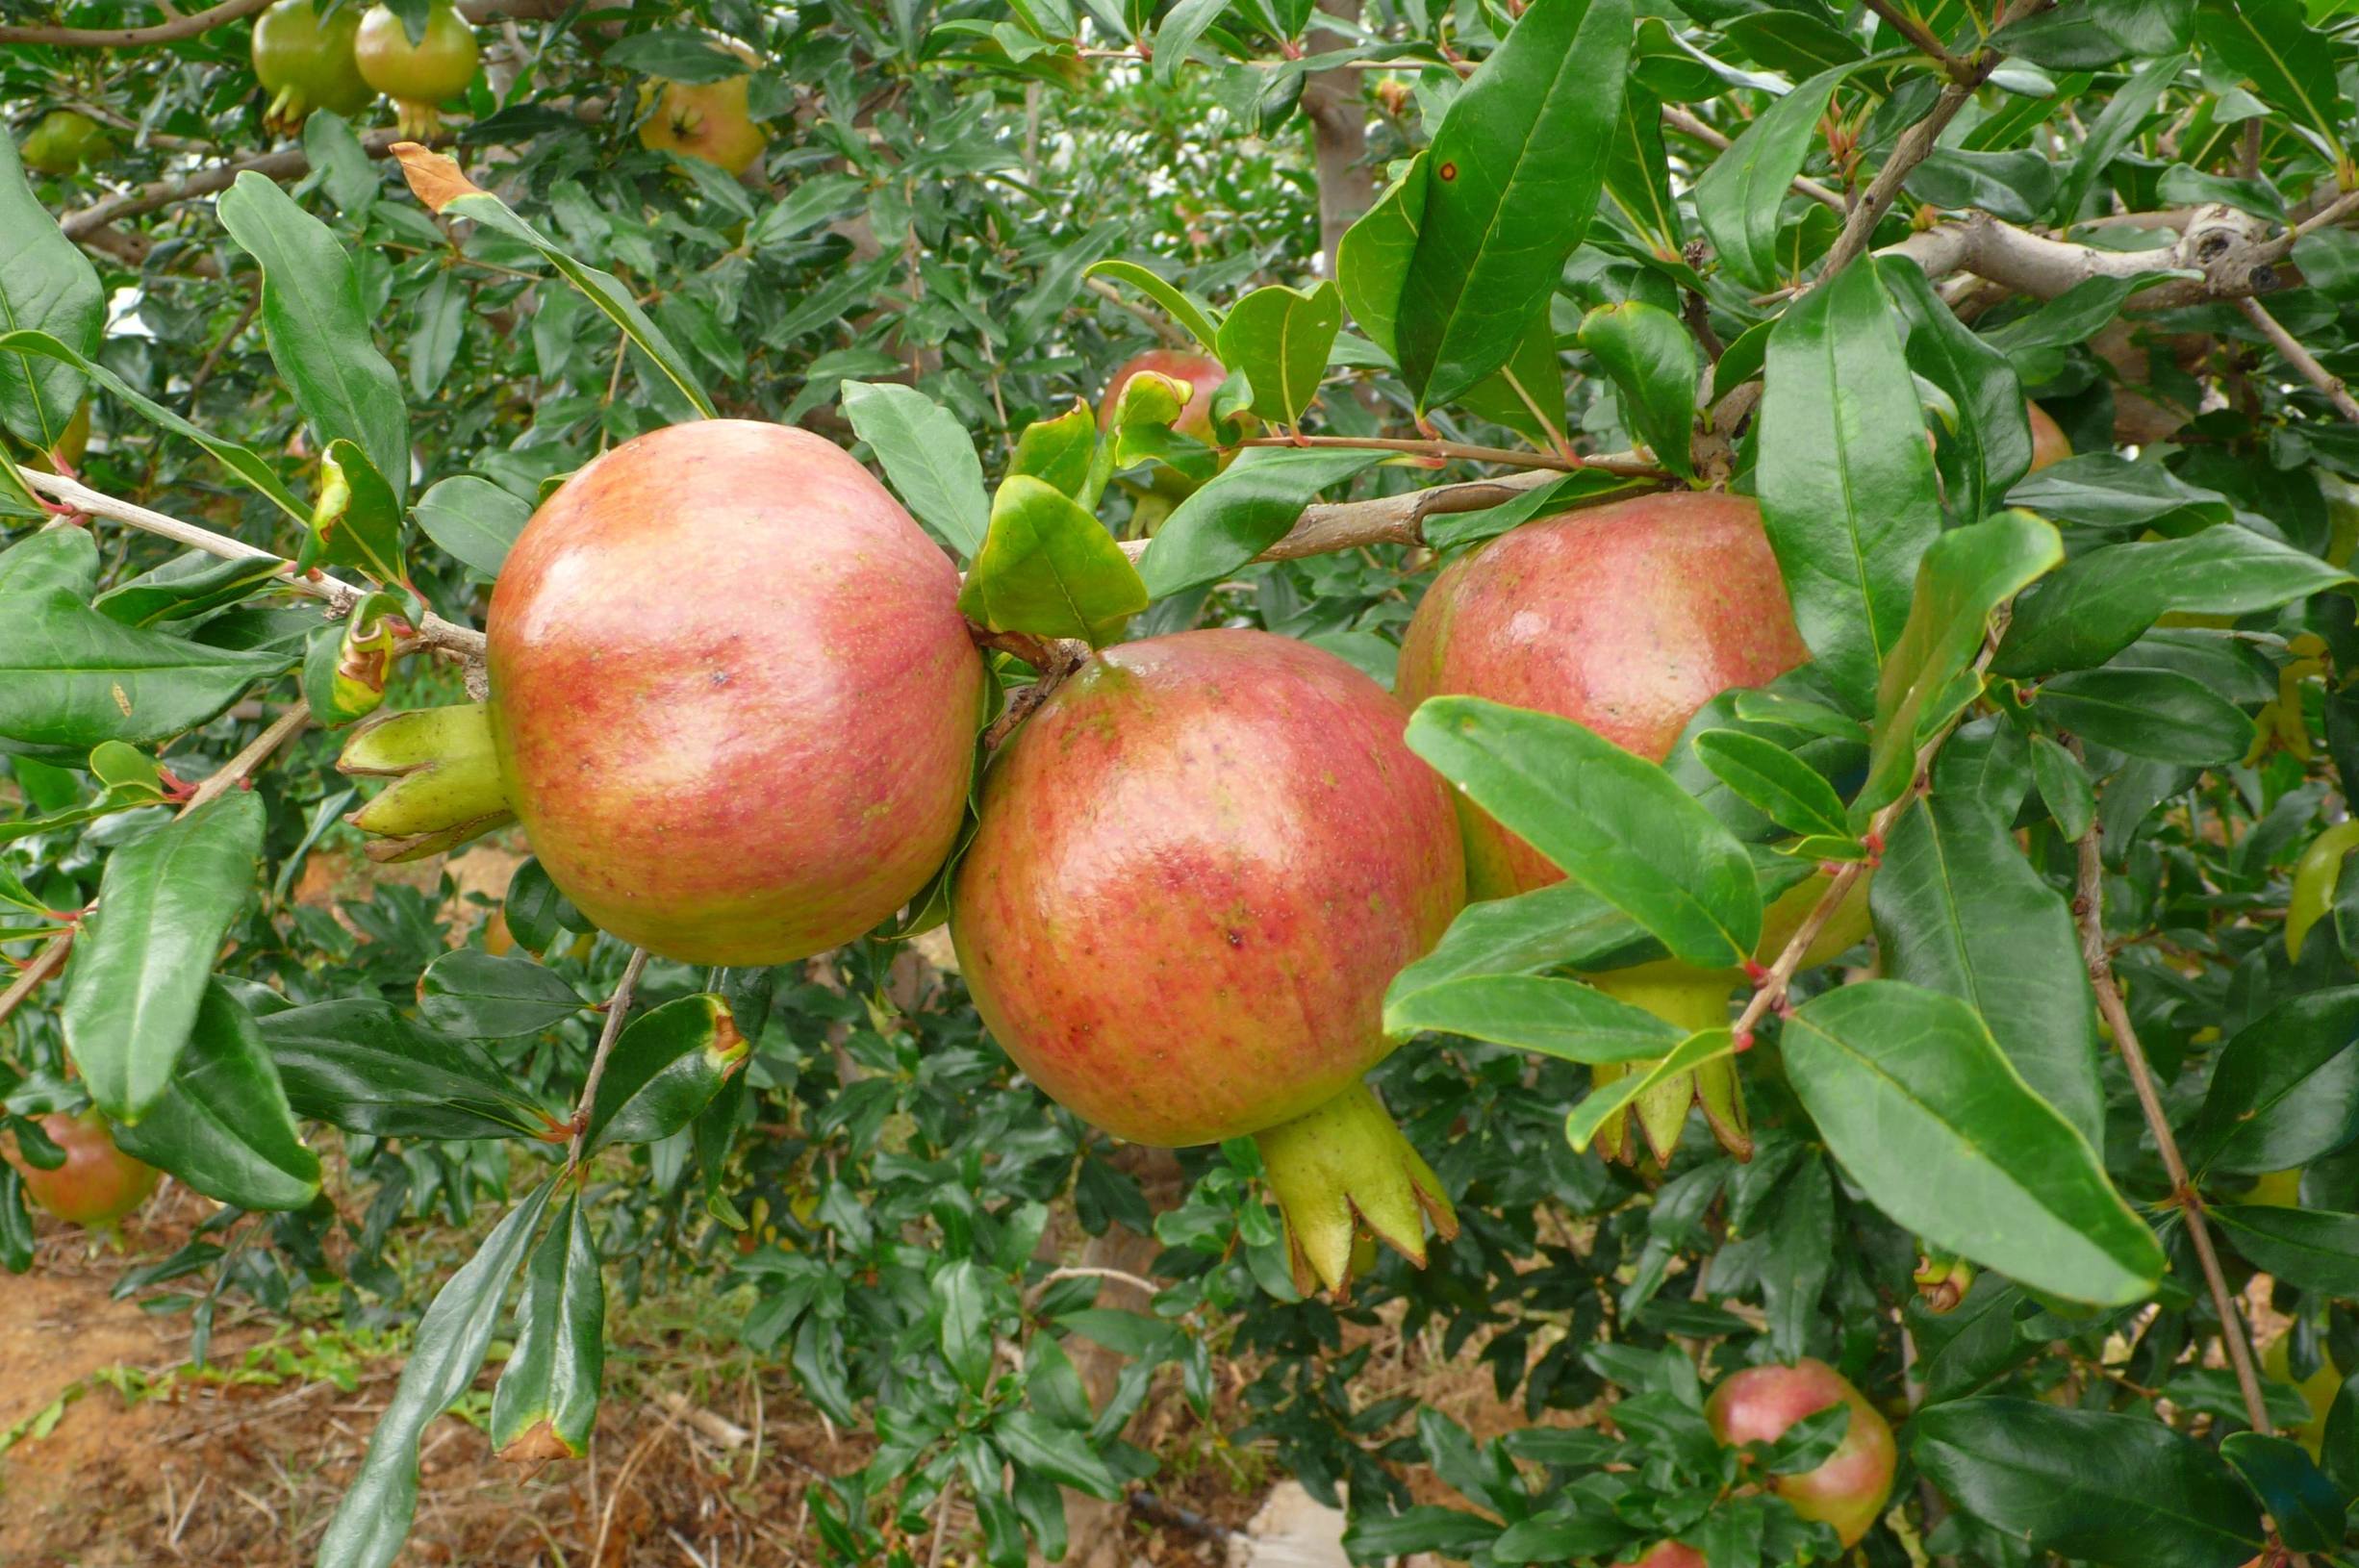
x,y
38,969
1171,332
1633,468
1921,38
1686,123
2302,359
2089,910
240,768
617,1009
942,1521
132,37
1083,1270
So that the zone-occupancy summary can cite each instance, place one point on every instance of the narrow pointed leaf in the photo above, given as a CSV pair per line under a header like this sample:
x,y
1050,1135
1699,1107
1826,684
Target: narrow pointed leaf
x,y
546,1400
488,997
1582,1123
1739,198
1559,1017
1279,337
1652,361
668,1063
223,1126
46,284
361,1065
73,677
1778,784
928,457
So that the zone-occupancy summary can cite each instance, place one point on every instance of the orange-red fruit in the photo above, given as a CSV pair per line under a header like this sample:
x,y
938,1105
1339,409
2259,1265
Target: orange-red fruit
x,y
1669,1554
733,698
97,1185
1626,619
1199,864
711,120
2049,442
1849,1490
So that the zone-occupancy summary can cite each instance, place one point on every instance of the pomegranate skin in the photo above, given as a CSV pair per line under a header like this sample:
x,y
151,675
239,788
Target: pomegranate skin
x,y
1199,865
1625,618
2049,442
98,1185
1669,1554
1849,1490
733,700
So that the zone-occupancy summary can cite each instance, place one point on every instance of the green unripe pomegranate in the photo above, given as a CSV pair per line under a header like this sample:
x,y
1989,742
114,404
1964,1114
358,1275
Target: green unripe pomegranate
x,y
97,1186
306,62
63,142
711,120
418,77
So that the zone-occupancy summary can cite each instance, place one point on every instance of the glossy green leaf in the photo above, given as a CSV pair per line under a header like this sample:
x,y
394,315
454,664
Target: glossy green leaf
x,y
1966,574
2158,714
2290,64
191,584
928,457
961,1303
2116,124
73,677
1447,530
1061,452
2309,1511
2329,261
1615,822
361,1067
1609,1099
2284,1089
48,561
1563,925
473,520
1989,442
2075,316
452,1339
1177,303
1064,1454
141,965
2303,1246
668,1063
1639,173
1775,782
1959,910
2086,1484
2105,599
2098,32
2107,490
1923,1109
486,996
536,911
2064,787
2018,185
1516,167
222,1125
1738,199
1652,361
1845,481
1279,337
1049,569
546,1400
48,285
316,325
1564,1018
1243,511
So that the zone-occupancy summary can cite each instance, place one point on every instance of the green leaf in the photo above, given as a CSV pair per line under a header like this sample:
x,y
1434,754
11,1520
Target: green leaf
x,y
1049,569
1177,303
2302,1247
1064,1454
676,53
1607,1100
2290,64
1740,199
361,1067
223,1126
536,911
2159,714
2120,120
1778,784
1063,452
1925,1112
1516,167
1968,573
2284,1089
1959,910
1845,482
1989,445
2105,599
960,1303
2064,787
2109,492
668,1063
2018,185
191,584
453,1336
48,561
2309,1511
1613,820
1564,1018
240,461
318,327
551,1380
487,996
73,677
2086,1484
473,520
1241,512
1279,337
48,285
1638,174
928,455
141,965
2098,32
1647,352
1561,926
2329,263
1447,531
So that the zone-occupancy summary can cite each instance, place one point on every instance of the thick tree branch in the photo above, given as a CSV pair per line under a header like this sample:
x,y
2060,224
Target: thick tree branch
x,y
2302,359
130,38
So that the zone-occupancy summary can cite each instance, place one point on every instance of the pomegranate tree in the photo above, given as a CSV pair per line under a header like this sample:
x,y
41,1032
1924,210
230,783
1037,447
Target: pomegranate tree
x,y
97,1186
733,702
1199,865
1849,1489
1626,619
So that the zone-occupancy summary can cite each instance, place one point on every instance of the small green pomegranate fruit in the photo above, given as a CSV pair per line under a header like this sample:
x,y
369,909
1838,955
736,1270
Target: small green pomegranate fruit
x,y
732,701
63,142
1849,1490
306,62
1199,865
97,1186
418,77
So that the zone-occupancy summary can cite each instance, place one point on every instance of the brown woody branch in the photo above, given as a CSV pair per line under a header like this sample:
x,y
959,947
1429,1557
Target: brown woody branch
x,y
168,31
38,968
2302,359
1922,40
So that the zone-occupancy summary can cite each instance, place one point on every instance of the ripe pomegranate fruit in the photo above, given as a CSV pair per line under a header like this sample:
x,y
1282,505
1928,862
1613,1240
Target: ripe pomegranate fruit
x,y
2049,442
733,702
1669,1554
62,142
704,119
1199,865
1625,618
1848,1491
97,1186
418,77
1203,375
306,62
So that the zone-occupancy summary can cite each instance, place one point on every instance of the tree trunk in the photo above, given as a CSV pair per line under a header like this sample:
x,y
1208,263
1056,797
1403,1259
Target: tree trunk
x,y
1339,118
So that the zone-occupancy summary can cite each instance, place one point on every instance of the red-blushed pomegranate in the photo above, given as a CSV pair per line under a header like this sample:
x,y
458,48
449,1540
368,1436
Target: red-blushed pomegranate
x,y
733,701
1203,375
2049,442
1669,1554
97,1186
1199,865
1848,1491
